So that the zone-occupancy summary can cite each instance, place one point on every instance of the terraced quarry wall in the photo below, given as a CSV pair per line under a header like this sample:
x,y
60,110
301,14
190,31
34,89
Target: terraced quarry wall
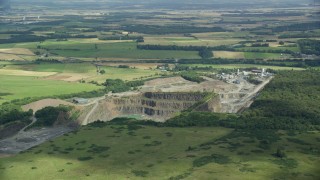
x,y
158,106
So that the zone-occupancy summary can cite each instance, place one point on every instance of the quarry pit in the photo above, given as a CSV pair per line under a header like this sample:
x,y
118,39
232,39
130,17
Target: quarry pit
x,y
163,98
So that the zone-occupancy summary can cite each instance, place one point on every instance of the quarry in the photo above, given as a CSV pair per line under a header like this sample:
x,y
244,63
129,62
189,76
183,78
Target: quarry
x,y
163,98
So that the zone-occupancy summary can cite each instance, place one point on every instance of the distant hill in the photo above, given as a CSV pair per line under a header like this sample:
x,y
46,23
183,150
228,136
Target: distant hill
x,y
4,4
170,4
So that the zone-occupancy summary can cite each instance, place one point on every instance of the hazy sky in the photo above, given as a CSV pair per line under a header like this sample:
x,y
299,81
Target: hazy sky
x,y
159,3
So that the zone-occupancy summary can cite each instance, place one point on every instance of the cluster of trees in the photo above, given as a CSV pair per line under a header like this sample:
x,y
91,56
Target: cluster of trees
x,y
260,45
192,76
53,61
205,53
16,32
298,27
299,35
284,51
127,37
23,38
170,47
252,80
124,66
12,115
118,85
309,46
187,68
49,115
27,37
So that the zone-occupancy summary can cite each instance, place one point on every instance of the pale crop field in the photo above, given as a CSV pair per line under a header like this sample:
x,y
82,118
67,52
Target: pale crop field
x,y
228,55
189,41
78,71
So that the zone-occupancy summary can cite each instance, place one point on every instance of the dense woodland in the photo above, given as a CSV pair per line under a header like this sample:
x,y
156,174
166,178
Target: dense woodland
x,y
309,46
298,27
290,101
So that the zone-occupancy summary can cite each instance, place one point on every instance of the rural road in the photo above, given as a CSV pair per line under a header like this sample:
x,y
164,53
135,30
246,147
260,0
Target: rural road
x,y
250,97
16,54
96,104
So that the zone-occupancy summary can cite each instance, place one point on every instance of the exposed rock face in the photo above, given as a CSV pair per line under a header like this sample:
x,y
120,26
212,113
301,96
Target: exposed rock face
x,y
158,106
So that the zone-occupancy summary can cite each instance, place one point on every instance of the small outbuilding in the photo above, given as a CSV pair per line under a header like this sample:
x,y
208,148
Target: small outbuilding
x,y
80,101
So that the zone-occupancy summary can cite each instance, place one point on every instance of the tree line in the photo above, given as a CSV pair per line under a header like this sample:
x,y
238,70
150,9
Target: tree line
x,y
172,29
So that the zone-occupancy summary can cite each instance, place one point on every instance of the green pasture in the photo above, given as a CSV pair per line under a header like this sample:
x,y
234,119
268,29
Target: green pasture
x,y
59,68
124,74
19,87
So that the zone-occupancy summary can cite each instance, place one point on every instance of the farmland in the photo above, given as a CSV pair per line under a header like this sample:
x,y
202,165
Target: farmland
x,y
86,71
159,89
46,80
100,49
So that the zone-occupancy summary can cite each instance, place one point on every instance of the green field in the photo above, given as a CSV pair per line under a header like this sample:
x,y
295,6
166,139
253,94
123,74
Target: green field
x,y
59,68
201,40
19,87
255,55
126,152
294,49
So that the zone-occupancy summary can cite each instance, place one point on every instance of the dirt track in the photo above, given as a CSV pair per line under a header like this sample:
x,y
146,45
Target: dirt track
x,y
234,105
96,104
35,106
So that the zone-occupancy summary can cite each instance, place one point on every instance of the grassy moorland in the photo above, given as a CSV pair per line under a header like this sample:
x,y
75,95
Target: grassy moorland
x,y
163,153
